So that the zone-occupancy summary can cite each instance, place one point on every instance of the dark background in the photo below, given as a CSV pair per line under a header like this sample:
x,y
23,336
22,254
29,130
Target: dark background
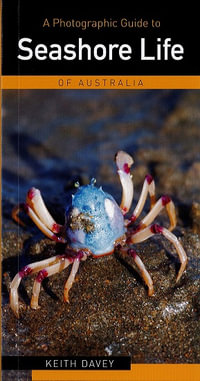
x,y
25,19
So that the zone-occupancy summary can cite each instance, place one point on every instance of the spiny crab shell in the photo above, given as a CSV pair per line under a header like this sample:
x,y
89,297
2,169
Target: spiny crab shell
x,y
94,220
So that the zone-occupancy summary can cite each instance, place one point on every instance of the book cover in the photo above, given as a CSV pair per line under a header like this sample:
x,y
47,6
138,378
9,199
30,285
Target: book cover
x,y
100,131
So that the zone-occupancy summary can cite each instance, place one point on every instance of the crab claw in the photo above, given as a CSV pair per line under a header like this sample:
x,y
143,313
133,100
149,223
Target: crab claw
x,y
124,162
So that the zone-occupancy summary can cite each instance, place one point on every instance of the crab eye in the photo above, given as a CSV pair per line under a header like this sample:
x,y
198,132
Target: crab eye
x,y
110,208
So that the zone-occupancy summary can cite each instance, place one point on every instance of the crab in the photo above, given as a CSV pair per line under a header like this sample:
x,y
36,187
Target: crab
x,y
95,225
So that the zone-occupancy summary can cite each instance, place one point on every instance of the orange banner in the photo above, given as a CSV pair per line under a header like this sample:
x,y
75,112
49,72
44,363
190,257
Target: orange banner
x,y
100,82
139,372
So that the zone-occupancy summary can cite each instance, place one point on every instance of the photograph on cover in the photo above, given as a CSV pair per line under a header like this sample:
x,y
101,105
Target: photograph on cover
x,y
64,145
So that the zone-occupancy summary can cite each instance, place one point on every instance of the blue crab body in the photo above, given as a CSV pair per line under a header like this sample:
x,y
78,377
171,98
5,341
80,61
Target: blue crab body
x,y
94,220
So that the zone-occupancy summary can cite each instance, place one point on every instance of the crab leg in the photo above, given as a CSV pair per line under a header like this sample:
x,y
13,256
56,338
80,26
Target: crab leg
x,y
71,278
163,202
157,229
26,208
29,269
15,212
124,162
44,273
148,187
142,269
35,202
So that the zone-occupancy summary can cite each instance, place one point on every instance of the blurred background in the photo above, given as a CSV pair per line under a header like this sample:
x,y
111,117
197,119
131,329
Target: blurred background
x,y
53,138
